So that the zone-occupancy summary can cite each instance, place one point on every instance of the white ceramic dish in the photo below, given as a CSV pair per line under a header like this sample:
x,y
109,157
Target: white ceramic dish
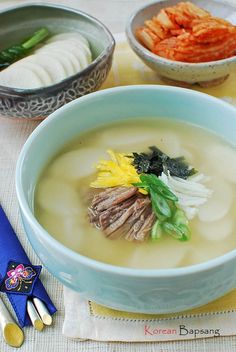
x,y
206,73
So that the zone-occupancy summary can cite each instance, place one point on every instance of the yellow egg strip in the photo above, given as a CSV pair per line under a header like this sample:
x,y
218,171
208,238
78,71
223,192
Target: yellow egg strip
x,y
118,171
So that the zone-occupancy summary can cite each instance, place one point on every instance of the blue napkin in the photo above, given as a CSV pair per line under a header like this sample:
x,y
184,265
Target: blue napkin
x,y
18,278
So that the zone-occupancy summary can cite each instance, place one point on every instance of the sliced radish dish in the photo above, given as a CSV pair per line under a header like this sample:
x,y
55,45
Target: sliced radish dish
x,y
61,56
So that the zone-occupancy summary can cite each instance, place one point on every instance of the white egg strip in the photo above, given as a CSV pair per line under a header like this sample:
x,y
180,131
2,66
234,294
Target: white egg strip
x,y
191,193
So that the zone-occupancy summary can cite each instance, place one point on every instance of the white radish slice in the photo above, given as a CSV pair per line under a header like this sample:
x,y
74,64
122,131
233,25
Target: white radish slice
x,y
77,43
22,77
54,68
223,159
80,55
70,56
77,56
37,69
80,45
218,205
66,63
76,164
84,56
68,44
68,35
217,230
75,61
58,197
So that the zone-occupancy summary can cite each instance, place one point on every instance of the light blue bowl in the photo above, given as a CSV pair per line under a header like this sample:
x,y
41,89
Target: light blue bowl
x,y
147,291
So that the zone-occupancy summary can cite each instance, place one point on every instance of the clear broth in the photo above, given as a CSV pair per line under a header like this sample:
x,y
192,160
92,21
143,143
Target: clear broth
x,y
61,194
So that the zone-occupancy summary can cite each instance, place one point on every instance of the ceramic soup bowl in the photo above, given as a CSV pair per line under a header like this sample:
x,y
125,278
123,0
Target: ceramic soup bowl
x,y
136,290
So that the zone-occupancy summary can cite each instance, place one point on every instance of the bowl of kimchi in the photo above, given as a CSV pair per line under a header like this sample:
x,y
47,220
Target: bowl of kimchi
x,y
186,42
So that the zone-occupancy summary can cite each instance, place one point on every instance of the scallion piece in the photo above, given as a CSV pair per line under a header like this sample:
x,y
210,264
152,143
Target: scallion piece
x,y
156,232
16,52
171,219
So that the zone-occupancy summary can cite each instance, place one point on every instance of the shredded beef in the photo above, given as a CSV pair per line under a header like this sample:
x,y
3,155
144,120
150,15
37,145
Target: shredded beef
x,y
122,212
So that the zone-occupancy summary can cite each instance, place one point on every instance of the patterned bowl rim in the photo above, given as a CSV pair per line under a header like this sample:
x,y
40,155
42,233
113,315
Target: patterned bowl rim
x,y
135,44
54,87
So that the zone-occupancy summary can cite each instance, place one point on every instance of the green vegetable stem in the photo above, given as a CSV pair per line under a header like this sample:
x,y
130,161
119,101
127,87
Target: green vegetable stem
x,y
16,52
170,219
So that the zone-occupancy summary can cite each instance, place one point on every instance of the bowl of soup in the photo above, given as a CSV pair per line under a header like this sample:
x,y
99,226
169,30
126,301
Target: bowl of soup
x,y
127,197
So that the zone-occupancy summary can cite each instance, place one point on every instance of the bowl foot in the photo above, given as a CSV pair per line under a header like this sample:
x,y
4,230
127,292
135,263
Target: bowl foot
x,y
213,82
204,84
